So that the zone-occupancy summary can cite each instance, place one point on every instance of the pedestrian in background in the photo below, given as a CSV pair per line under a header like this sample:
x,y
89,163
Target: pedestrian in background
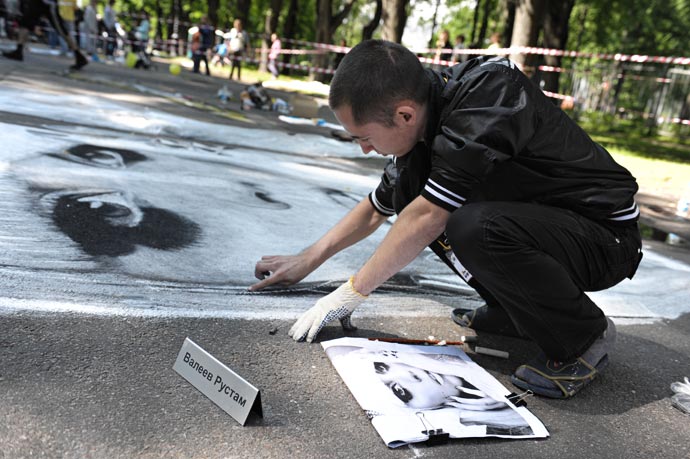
x,y
68,13
32,13
202,41
141,34
495,41
276,47
110,24
444,52
89,30
340,53
238,44
459,46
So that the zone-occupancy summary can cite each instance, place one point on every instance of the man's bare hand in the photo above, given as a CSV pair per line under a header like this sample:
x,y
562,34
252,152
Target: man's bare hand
x,y
281,270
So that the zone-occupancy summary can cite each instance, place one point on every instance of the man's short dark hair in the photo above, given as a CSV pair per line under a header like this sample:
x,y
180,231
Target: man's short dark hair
x,y
373,77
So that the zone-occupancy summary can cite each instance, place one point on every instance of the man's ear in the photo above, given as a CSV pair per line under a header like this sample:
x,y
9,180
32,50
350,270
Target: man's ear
x,y
407,114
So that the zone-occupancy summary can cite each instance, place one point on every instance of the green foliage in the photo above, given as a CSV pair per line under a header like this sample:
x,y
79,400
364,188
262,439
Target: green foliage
x,y
351,29
631,26
458,21
306,19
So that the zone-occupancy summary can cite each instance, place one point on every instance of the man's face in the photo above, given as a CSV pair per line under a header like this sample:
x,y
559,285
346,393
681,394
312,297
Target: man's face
x,y
396,140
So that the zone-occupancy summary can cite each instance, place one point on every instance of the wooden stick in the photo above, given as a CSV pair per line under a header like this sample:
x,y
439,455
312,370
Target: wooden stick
x,y
463,340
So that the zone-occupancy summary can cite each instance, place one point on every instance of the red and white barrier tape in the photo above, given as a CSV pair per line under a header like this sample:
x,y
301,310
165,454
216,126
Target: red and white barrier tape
x,y
638,58
662,119
547,68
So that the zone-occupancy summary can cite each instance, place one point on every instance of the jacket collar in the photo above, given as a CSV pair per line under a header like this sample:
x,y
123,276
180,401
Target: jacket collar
x,y
434,105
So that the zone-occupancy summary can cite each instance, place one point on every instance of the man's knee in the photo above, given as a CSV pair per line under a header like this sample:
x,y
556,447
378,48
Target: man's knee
x,y
465,228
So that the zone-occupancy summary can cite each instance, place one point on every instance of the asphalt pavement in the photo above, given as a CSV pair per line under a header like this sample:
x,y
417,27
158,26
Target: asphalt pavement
x,y
101,385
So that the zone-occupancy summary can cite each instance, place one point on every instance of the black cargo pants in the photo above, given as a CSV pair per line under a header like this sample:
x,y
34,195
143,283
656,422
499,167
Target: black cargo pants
x,y
536,262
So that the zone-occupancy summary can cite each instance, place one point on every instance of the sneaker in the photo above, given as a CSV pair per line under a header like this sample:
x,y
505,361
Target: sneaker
x,y
681,398
553,379
16,55
80,61
489,319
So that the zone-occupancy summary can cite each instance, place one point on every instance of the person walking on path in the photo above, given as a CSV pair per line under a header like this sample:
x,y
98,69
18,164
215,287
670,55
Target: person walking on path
x,y
458,55
238,45
32,12
110,24
202,41
502,185
68,13
276,47
89,30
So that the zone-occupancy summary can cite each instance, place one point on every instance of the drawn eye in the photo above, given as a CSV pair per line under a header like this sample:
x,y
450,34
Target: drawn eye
x,y
403,394
115,207
381,368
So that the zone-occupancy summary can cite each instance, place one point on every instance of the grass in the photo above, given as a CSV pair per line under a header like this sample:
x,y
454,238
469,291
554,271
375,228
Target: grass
x,y
661,165
633,137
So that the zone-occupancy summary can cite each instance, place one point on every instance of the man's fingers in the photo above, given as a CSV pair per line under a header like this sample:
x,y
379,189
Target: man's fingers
x,y
261,274
299,330
265,265
346,323
260,270
306,327
270,280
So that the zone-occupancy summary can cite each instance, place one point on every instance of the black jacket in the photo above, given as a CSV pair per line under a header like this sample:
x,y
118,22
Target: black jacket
x,y
492,135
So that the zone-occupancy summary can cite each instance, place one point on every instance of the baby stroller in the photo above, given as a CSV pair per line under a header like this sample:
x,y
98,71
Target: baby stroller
x,y
255,96
143,60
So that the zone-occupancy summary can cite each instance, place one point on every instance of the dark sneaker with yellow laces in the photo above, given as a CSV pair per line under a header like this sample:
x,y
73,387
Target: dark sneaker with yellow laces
x,y
487,319
553,379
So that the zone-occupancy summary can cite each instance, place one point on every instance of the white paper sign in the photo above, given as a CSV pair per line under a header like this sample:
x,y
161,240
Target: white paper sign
x,y
224,387
428,393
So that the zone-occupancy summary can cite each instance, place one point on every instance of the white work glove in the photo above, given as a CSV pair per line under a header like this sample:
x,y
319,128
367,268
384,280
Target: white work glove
x,y
338,304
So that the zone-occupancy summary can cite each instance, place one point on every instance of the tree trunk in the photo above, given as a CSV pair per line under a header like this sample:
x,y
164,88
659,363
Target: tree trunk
x,y
326,24
488,6
556,20
289,30
243,7
323,35
509,21
528,20
178,29
276,7
394,16
432,42
212,13
368,30
266,42
475,20
159,22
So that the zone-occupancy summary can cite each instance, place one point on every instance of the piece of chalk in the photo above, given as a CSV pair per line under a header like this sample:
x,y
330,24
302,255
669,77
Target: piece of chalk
x,y
492,352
